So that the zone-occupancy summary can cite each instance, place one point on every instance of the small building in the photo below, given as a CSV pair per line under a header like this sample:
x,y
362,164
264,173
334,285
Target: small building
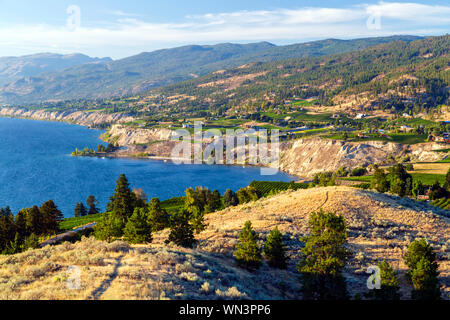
x,y
406,128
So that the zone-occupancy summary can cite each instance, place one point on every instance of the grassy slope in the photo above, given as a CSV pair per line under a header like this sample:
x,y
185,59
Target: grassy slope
x,y
380,226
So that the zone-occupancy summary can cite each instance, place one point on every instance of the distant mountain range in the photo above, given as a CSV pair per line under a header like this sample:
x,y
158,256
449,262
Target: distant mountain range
x,y
13,68
51,77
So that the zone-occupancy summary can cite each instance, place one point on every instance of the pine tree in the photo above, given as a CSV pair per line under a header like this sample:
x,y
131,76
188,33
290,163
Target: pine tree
x,y
34,222
275,249
51,216
109,227
123,202
92,204
181,231
21,223
379,181
423,270
137,229
324,258
7,228
213,201
195,202
31,242
77,210
157,216
83,211
230,198
248,253
389,284
447,181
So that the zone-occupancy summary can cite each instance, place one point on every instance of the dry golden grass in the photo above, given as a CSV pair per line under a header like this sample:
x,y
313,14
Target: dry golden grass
x,y
380,226
434,168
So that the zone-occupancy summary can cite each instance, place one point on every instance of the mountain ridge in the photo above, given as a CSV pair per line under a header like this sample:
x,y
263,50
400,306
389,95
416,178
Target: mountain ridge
x,y
147,70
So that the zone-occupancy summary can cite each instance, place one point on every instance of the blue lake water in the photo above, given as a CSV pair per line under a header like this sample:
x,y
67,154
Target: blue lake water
x,y
36,166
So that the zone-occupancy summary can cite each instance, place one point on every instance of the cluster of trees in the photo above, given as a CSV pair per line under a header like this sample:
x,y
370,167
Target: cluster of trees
x,y
22,231
398,181
81,210
249,255
129,216
91,152
324,257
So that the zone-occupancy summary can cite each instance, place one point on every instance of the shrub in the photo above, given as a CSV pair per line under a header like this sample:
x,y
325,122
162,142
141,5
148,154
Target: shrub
x,y
248,194
357,172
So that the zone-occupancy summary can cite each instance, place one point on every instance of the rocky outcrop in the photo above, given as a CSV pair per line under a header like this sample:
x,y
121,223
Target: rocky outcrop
x,y
305,157
125,136
88,119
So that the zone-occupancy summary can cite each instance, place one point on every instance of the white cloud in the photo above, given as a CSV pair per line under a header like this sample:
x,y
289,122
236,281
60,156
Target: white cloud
x,y
129,34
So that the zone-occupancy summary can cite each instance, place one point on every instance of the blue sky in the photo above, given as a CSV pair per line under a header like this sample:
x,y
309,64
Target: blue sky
x,y
122,28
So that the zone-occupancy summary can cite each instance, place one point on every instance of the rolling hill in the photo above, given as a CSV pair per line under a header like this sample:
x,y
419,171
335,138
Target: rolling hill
x,y
380,227
148,70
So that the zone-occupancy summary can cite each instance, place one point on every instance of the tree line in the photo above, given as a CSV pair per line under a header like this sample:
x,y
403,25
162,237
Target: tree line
x,y
20,232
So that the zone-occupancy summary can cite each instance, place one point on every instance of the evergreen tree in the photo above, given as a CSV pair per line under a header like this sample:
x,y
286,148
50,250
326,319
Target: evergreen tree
x,y
51,216
324,258
34,221
230,198
181,231
21,223
389,284
157,216
417,188
123,202
248,194
248,253
83,210
14,246
401,180
31,242
437,192
447,181
92,203
109,227
275,249
195,202
137,229
423,270
80,210
380,181
77,210
213,201
7,228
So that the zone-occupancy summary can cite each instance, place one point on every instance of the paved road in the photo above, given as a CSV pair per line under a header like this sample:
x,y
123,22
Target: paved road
x,y
69,234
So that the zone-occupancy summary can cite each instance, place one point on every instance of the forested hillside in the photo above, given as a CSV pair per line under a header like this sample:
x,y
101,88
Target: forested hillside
x,y
397,75
148,70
